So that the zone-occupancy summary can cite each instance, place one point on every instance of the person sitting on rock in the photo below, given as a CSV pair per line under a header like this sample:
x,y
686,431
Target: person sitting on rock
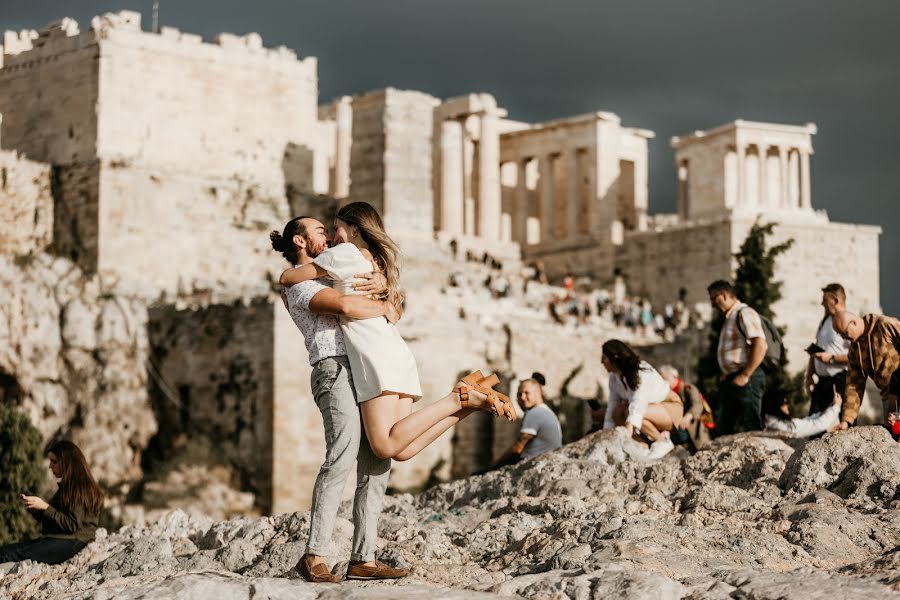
x,y
69,521
639,398
540,430
777,417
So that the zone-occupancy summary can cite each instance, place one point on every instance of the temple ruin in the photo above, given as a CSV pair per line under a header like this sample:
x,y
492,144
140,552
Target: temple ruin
x,y
148,169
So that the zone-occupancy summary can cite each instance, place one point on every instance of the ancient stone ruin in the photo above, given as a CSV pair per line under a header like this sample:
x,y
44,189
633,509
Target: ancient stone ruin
x,y
139,186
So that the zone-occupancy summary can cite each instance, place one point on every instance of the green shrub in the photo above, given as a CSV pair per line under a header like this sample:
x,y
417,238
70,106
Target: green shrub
x,y
21,472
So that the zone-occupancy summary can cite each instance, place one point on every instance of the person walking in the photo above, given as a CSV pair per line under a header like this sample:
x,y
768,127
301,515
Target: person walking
x,y
741,350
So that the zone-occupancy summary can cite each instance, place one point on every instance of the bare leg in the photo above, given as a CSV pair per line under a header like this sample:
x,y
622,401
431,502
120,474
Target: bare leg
x,y
432,434
389,436
661,417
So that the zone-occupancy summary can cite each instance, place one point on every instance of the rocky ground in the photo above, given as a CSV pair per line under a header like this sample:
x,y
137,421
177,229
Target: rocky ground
x,y
751,516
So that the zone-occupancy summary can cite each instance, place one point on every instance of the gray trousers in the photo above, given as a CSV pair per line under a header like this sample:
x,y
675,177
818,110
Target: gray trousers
x,y
345,442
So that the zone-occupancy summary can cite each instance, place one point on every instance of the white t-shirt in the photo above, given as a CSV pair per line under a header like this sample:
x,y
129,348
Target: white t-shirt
x,y
322,333
542,423
652,390
829,340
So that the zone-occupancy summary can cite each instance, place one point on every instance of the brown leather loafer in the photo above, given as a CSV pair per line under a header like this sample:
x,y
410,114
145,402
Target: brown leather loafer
x,y
315,574
360,570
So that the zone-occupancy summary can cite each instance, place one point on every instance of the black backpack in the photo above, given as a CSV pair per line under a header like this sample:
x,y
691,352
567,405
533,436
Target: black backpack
x,y
775,352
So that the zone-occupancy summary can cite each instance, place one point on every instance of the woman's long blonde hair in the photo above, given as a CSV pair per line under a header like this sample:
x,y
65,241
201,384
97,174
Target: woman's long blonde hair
x,y
383,248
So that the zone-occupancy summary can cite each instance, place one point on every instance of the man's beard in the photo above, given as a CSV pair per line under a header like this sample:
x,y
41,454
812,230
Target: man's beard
x,y
313,251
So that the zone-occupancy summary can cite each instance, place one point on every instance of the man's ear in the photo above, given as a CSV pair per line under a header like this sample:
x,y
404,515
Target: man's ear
x,y
299,241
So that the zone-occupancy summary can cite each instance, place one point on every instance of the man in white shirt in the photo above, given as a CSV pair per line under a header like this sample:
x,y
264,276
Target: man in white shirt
x,y
829,365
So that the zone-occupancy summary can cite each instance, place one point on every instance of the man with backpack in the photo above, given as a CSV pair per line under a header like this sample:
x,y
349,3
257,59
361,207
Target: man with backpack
x,y
741,351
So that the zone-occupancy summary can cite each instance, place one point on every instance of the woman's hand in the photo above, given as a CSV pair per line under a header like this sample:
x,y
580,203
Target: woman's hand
x,y
630,429
370,283
34,503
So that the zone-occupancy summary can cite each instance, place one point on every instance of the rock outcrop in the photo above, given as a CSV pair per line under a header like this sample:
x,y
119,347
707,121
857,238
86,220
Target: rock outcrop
x,y
750,516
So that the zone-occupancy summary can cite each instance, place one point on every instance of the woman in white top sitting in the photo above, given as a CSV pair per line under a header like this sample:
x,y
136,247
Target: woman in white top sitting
x,y
381,365
639,398
778,418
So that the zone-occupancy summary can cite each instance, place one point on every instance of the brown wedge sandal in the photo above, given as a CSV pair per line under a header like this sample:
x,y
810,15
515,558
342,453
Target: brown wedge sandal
x,y
497,403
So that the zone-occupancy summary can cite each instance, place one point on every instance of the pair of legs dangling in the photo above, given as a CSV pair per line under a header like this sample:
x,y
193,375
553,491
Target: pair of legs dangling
x,y
395,431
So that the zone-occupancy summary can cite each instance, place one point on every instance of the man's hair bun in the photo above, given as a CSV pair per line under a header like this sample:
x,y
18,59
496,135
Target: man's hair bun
x,y
277,241
539,377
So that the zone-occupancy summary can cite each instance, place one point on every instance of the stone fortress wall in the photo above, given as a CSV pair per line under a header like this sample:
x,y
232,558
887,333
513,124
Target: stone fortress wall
x,y
138,190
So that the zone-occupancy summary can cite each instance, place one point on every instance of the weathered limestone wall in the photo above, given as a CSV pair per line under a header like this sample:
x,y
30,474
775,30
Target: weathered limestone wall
x,y
214,376
73,357
210,235
26,205
390,159
169,167
49,94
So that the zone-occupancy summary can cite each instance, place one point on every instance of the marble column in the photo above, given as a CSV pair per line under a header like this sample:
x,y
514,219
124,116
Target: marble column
x,y
763,150
489,208
452,177
741,153
344,124
469,190
573,203
520,204
805,194
546,198
783,187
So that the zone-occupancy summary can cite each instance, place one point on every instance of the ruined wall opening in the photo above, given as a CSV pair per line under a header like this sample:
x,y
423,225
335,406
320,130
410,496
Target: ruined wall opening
x,y
625,206
10,390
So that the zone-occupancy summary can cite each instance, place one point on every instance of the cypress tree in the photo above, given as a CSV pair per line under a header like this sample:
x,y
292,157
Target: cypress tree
x,y
21,472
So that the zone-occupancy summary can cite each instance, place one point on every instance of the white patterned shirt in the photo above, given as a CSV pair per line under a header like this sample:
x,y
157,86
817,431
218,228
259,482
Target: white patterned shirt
x,y
322,333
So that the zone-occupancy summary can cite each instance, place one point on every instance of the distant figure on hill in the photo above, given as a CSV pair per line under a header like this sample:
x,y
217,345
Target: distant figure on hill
x,y
829,356
874,354
540,430
639,398
742,348
69,520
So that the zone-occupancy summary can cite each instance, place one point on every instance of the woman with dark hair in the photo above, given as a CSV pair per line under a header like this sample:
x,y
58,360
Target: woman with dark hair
x,y
383,369
639,398
69,521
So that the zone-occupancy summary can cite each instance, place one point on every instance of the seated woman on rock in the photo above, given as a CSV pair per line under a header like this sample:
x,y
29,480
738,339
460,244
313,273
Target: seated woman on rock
x,y
68,522
639,398
778,418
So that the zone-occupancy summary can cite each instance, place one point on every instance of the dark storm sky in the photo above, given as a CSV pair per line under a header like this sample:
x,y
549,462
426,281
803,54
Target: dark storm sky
x,y
665,65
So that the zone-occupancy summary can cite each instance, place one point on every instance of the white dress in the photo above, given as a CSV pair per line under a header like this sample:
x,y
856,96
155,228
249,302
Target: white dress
x,y
380,361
